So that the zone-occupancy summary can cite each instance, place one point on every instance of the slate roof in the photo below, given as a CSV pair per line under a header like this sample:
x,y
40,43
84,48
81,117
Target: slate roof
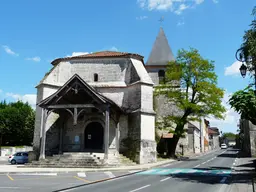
x,y
161,52
101,54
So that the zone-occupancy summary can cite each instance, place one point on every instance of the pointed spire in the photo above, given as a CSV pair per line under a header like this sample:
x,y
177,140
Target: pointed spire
x,y
161,52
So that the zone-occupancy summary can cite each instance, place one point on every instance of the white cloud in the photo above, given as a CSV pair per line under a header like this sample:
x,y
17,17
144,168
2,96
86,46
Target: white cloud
x,y
180,23
215,1
35,59
233,69
229,124
113,49
176,6
77,54
9,51
30,98
141,17
181,8
199,1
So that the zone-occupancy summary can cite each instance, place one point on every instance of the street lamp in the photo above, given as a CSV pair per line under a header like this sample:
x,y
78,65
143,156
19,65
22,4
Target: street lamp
x,y
240,56
243,70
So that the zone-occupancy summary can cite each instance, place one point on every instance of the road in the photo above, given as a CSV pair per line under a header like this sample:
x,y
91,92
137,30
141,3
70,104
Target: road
x,y
209,173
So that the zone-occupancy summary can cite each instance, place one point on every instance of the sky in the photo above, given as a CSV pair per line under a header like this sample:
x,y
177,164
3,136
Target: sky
x,y
33,33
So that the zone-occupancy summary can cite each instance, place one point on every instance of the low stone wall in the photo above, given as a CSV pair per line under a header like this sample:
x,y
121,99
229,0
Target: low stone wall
x,y
6,151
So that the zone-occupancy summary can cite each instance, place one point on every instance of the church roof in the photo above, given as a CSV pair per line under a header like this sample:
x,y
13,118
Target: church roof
x,y
69,87
101,54
161,52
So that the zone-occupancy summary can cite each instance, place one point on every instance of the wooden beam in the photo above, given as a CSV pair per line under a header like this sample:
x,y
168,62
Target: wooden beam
x,y
63,106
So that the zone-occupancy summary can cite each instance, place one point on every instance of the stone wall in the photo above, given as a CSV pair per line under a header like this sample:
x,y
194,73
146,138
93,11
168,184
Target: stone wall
x,y
6,151
126,82
43,92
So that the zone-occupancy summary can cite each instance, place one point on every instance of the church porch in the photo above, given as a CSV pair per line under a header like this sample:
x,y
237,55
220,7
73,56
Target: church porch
x,y
78,122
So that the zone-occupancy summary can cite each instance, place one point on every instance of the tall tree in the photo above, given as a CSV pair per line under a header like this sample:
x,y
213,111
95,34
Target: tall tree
x,y
16,123
244,101
191,84
248,47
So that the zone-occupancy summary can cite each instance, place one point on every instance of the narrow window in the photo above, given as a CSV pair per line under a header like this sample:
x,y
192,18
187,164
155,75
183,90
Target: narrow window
x,y
161,76
95,77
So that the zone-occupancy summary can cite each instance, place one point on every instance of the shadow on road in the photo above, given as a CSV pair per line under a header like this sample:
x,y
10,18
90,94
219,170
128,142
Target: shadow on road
x,y
231,155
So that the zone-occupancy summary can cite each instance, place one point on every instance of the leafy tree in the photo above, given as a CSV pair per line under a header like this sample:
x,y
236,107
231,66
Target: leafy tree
x,y
191,84
248,46
244,102
229,135
16,123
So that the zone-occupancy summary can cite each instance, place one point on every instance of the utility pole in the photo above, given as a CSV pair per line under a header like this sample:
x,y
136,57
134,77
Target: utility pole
x,y
201,142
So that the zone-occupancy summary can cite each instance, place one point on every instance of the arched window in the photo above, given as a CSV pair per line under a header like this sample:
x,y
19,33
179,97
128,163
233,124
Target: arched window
x,y
161,76
95,76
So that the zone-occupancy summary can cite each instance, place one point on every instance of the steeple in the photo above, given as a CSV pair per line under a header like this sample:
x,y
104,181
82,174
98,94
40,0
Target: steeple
x,y
161,52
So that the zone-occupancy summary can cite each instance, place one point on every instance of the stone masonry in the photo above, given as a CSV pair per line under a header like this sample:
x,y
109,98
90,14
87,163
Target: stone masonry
x,y
125,81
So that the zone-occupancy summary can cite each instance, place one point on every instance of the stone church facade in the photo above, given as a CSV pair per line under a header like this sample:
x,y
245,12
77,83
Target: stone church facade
x,y
102,103
92,103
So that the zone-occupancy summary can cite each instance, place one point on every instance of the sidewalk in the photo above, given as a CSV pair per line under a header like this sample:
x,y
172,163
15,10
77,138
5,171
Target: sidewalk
x,y
5,169
244,172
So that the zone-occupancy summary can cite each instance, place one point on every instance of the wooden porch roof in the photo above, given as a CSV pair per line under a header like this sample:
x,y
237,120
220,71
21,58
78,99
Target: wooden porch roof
x,y
77,85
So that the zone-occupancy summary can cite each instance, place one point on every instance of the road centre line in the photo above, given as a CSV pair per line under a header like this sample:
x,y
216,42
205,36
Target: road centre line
x,y
165,179
140,188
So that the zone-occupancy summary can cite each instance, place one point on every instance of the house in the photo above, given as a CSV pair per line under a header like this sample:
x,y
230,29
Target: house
x,y
214,139
194,137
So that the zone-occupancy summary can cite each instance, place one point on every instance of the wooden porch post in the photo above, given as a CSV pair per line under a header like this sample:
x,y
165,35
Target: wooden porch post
x,y
106,134
117,137
61,135
42,147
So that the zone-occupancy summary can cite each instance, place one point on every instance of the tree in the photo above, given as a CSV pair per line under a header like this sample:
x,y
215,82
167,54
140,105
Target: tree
x,y
248,47
16,123
229,135
191,84
244,103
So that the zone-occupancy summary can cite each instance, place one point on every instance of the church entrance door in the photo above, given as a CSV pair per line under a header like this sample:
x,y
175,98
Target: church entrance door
x,y
93,136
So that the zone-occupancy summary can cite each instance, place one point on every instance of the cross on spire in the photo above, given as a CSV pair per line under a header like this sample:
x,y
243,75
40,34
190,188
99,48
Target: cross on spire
x,y
161,20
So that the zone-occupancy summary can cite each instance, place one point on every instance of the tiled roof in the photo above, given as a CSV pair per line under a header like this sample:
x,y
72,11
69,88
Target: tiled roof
x,y
161,52
101,54
210,131
167,135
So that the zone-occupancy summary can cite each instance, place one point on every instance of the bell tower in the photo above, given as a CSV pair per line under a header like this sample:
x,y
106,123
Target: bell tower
x,y
159,57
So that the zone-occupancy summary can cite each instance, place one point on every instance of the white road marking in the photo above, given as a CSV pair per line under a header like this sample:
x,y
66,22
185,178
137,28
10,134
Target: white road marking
x,y
140,188
223,180
197,165
165,179
177,171
134,171
40,174
203,163
81,174
13,188
110,174
166,165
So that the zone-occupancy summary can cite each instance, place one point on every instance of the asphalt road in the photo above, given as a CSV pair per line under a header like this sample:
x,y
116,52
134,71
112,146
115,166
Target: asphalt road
x,y
209,173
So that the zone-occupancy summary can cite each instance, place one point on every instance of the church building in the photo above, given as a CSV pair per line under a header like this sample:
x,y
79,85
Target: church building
x,y
101,105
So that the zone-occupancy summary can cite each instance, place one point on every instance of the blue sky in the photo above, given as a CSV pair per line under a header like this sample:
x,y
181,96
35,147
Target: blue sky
x,y
33,33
